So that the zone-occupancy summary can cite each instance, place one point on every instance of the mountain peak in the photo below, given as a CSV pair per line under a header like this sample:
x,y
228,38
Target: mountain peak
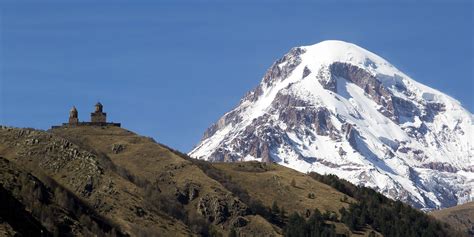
x,y
329,51
334,107
334,49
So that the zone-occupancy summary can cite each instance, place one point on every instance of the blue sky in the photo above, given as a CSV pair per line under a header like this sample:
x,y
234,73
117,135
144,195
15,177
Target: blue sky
x,y
168,69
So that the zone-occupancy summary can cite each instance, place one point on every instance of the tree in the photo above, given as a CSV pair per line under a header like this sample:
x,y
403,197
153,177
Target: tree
x,y
282,214
295,226
314,226
275,208
232,232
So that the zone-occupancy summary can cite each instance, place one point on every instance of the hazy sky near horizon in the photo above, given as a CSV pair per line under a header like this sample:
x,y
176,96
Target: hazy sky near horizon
x,y
169,69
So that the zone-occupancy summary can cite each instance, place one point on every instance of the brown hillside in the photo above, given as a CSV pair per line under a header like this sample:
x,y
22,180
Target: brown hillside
x,y
141,186
273,183
107,181
460,217
85,175
147,161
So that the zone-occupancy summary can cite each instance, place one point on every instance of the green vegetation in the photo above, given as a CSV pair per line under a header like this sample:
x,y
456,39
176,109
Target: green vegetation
x,y
232,233
390,218
316,225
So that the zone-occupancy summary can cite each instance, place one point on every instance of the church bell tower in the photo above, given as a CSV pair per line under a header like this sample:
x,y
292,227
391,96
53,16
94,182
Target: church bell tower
x,y
73,118
98,116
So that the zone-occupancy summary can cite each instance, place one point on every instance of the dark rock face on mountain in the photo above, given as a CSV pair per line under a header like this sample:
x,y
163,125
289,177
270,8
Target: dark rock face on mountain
x,y
336,108
362,78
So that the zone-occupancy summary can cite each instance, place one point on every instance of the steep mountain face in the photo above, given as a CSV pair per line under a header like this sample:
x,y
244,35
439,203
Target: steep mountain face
x,y
334,107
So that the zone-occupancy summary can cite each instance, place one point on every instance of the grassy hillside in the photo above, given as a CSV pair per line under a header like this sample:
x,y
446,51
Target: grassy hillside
x,y
138,184
321,205
460,217
282,191
183,185
388,217
31,205
108,181
85,176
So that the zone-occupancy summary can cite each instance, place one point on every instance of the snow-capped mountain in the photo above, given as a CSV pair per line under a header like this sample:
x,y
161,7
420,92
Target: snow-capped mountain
x,y
334,107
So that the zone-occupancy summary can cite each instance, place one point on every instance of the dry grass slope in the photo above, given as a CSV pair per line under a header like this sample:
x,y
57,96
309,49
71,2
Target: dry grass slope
x,y
144,159
291,190
137,187
460,217
273,183
85,175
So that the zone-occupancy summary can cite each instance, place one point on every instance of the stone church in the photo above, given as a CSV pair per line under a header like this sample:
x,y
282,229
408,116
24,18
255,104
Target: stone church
x,y
98,118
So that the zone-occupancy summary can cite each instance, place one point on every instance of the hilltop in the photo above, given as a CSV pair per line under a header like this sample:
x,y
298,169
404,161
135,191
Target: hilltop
x,y
108,181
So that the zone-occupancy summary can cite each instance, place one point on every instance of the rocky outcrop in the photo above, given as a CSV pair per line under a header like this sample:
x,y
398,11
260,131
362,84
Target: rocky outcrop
x,y
368,83
283,67
440,166
259,144
306,72
239,222
296,112
404,109
327,81
350,134
117,148
53,154
219,209
190,192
